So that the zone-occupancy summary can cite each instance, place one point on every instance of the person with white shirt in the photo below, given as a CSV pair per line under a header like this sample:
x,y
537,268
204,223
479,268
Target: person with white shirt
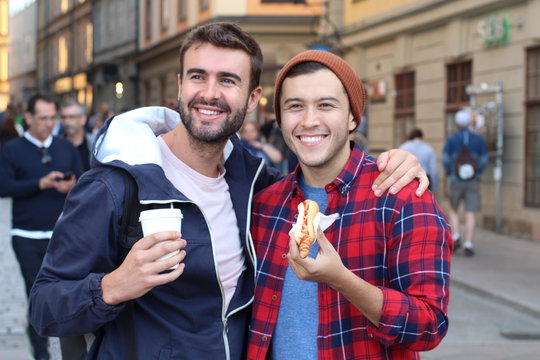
x,y
416,145
37,170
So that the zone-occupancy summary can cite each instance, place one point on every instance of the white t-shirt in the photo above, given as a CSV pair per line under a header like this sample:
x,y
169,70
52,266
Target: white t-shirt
x,y
212,196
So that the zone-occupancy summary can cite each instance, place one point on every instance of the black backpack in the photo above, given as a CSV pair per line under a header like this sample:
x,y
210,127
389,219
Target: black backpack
x,y
465,166
130,233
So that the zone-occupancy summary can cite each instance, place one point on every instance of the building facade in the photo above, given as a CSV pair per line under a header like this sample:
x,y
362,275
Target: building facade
x,y
22,52
422,60
65,49
4,51
282,28
114,72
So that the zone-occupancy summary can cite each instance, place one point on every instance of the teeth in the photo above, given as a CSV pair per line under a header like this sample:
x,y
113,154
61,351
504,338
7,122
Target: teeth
x,y
311,139
209,112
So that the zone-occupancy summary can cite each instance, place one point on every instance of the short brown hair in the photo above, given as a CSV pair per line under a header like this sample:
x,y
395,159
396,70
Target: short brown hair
x,y
226,35
43,97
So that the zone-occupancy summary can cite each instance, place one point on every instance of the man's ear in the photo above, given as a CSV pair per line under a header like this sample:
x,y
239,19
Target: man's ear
x,y
28,117
352,123
254,98
179,76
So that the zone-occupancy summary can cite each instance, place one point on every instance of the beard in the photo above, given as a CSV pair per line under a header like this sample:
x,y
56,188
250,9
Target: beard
x,y
205,132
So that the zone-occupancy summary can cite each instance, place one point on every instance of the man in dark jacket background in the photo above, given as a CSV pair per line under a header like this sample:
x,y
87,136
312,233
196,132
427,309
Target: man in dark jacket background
x,y
32,170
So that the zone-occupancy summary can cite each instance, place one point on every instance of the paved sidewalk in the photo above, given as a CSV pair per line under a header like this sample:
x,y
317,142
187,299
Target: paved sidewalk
x,y
14,343
503,268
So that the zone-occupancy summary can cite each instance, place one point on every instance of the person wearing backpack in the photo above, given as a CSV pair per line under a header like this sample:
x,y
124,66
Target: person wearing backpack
x,y
464,158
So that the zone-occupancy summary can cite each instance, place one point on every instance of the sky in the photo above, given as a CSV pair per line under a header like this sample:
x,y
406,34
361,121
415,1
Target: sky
x,y
17,5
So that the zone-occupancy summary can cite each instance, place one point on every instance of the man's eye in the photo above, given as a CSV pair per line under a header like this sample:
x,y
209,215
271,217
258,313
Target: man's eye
x,y
196,77
229,81
294,106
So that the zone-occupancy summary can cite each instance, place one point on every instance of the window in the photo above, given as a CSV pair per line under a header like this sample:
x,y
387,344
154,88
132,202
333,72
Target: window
x,y
203,5
89,48
62,55
64,6
148,20
164,14
404,106
532,130
182,10
4,19
458,76
285,1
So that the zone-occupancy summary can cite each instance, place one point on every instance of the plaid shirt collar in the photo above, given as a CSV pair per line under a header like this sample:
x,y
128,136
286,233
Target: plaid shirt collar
x,y
342,183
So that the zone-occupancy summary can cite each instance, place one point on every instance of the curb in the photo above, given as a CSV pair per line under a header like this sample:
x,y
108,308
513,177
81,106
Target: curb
x,y
501,299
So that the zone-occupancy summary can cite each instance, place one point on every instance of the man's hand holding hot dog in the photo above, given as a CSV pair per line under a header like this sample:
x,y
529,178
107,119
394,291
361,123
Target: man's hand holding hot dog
x,y
327,268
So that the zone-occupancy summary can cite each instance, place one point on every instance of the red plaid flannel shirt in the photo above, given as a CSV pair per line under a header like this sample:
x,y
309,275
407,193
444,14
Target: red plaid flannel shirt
x,y
401,244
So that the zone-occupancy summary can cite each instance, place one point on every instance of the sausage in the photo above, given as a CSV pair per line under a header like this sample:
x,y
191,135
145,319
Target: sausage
x,y
305,229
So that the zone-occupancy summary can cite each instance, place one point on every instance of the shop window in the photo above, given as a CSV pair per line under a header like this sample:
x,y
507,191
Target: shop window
x,y
203,5
532,130
404,106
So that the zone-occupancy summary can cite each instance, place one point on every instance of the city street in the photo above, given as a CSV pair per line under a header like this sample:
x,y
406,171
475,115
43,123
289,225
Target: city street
x,y
13,341
482,326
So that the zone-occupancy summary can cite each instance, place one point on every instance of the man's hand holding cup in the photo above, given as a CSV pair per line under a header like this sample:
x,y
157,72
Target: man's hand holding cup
x,y
145,266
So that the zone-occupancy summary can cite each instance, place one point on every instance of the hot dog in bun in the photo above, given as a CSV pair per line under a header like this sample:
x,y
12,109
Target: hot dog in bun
x,y
306,226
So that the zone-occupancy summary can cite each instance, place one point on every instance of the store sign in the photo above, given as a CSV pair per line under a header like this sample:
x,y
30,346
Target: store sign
x,y
494,30
377,89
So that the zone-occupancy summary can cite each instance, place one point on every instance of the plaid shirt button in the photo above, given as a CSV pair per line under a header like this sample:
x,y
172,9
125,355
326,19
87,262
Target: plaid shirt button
x,y
283,256
274,297
265,338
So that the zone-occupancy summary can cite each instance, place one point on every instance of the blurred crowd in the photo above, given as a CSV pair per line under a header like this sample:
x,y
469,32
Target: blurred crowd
x,y
13,125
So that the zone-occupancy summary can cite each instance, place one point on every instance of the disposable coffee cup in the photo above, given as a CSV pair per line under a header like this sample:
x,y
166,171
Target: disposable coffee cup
x,y
156,220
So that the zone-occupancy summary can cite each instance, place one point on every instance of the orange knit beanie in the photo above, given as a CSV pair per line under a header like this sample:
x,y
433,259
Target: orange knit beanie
x,y
347,76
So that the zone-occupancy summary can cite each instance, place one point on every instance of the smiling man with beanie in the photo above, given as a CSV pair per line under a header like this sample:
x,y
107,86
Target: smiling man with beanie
x,y
375,283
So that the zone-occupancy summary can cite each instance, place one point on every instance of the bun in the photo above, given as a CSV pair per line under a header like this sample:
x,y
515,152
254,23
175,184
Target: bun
x,y
306,229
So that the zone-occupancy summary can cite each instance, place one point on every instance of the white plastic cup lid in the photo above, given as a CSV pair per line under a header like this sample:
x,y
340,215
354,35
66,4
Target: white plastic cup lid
x,y
160,213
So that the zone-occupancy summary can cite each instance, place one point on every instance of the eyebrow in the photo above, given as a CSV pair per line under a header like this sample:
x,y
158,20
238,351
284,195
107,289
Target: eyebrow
x,y
221,73
326,98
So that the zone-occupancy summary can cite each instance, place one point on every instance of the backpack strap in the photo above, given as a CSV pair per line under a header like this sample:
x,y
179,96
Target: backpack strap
x,y
130,232
130,229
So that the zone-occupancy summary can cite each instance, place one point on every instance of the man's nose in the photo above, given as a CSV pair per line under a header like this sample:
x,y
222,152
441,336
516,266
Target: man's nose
x,y
311,117
211,90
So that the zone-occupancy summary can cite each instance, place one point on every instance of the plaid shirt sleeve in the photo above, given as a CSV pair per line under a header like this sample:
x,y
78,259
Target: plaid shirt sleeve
x,y
416,300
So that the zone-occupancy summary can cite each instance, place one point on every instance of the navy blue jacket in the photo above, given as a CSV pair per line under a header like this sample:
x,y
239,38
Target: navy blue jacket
x,y
184,319
20,171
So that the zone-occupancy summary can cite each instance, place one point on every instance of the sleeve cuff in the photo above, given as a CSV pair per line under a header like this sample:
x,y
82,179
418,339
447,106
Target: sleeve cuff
x,y
393,319
97,296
